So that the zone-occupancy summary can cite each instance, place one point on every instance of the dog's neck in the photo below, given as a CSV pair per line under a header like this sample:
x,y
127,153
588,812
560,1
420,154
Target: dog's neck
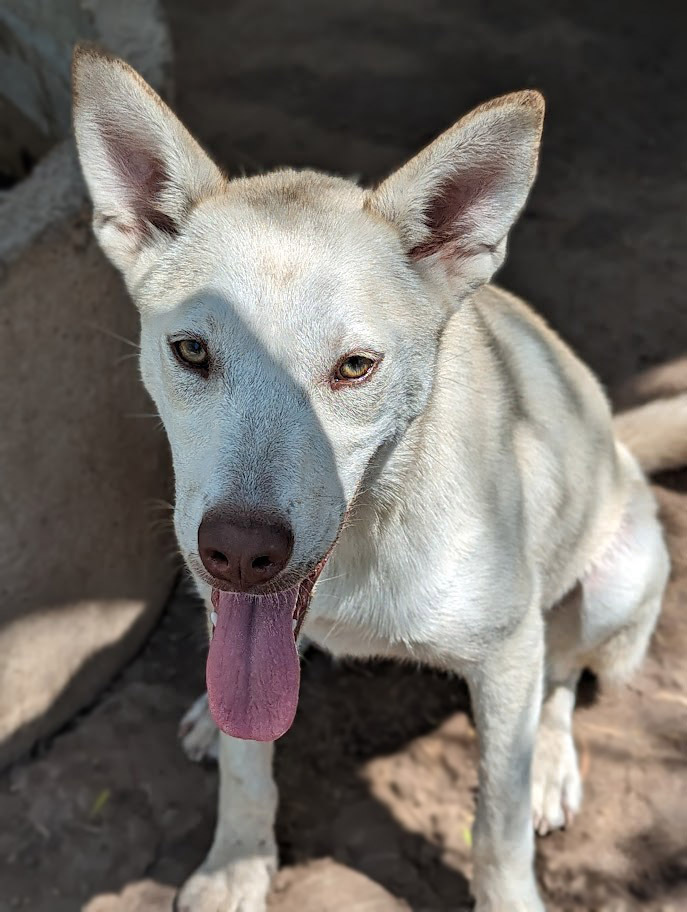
x,y
392,471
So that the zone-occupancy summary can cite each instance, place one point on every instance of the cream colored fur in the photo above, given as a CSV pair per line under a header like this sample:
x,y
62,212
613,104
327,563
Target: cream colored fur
x,y
484,517
656,433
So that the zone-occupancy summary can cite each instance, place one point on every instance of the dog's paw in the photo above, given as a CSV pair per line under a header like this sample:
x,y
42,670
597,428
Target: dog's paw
x,y
198,733
240,886
556,781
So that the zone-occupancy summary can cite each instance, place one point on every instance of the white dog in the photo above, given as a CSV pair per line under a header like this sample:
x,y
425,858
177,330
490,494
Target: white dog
x,y
341,386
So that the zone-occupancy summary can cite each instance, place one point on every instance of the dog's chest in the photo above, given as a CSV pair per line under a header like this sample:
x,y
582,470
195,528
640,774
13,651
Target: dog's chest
x,y
359,616
364,604
381,599
427,582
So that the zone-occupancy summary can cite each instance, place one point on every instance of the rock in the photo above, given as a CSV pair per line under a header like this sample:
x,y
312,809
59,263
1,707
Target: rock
x,y
328,886
142,896
84,572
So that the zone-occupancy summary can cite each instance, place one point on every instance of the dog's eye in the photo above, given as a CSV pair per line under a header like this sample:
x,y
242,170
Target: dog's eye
x,y
354,368
192,352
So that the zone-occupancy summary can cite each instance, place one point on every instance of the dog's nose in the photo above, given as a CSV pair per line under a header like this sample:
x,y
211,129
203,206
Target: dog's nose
x,y
244,552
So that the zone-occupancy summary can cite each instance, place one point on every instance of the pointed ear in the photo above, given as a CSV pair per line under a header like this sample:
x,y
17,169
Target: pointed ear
x,y
143,169
455,202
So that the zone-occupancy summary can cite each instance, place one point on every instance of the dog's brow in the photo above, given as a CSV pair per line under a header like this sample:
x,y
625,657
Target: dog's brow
x,y
213,324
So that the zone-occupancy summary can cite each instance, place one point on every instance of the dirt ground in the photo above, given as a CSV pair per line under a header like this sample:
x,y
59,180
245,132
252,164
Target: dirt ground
x,y
378,777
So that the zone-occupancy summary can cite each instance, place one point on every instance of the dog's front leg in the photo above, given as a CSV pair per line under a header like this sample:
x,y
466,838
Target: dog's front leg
x,y
506,691
236,875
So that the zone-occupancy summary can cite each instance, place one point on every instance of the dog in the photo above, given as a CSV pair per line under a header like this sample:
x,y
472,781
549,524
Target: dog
x,y
348,398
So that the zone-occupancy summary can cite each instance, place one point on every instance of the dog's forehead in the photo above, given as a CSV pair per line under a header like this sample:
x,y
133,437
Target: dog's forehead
x,y
289,242
294,228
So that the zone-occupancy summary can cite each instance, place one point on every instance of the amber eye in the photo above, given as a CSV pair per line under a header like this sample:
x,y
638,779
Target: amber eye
x,y
355,367
192,352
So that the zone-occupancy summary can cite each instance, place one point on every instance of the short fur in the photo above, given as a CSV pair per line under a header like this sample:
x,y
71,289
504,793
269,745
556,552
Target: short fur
x,y
484,515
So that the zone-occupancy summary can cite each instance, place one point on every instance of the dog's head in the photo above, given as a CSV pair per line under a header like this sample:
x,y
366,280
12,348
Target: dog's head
x,y
290,321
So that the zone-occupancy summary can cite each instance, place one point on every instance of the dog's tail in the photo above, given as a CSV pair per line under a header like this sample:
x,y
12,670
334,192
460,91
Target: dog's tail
x,y
656,433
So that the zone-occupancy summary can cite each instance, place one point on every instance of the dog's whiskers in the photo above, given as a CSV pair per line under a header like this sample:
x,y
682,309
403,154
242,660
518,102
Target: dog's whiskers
x,y
127,357
332,630
330,579
158,503
114,335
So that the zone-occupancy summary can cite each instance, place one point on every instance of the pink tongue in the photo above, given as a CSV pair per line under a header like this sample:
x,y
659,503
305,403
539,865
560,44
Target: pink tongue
x,y
253,672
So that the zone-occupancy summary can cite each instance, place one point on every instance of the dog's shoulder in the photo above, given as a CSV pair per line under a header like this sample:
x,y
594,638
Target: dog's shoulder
x,y
547,375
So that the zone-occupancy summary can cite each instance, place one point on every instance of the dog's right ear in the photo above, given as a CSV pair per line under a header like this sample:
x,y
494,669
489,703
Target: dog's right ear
x,y
143,169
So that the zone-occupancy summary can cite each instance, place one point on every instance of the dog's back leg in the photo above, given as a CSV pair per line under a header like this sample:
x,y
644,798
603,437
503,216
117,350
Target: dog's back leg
x,y
624,592
198,733
604,625
556,781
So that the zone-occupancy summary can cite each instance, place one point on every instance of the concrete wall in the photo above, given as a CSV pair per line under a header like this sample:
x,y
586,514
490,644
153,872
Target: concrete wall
x,y
85,553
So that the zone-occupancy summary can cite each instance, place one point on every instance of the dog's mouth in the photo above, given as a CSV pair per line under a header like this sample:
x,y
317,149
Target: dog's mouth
x,y
253,668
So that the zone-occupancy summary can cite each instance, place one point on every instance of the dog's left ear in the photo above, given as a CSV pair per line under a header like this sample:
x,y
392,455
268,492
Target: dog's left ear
x,y
455,202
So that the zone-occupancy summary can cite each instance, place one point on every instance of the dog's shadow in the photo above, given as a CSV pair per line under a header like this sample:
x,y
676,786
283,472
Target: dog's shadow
x,y
351,714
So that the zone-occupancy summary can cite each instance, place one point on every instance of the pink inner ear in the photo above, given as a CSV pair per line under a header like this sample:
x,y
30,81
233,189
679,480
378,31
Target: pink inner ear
x,y
453,213
144,177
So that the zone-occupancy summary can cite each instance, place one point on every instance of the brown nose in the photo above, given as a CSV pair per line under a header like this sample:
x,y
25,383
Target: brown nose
x,y
244,551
